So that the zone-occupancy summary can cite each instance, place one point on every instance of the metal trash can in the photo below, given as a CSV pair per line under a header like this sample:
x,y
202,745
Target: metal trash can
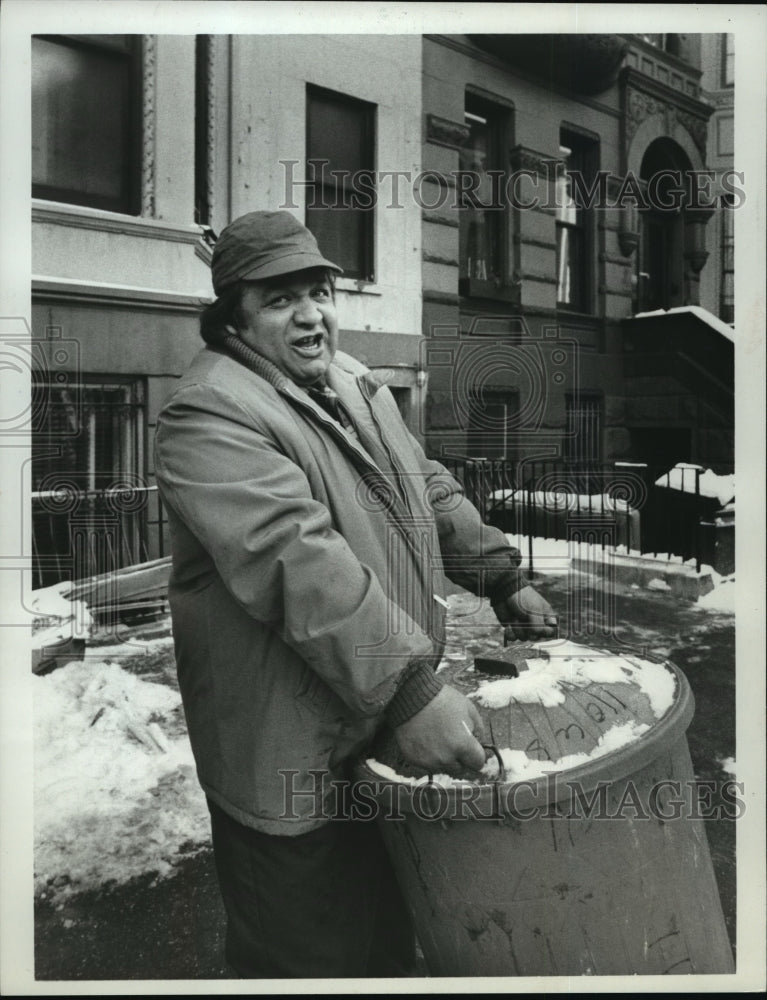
x,y
580,850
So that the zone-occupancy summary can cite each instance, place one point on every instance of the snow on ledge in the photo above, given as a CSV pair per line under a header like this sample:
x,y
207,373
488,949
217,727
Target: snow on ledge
x,y
710,484
698,311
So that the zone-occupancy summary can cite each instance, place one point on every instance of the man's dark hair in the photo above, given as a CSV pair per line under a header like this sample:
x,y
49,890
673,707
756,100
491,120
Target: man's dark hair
x,y
225,311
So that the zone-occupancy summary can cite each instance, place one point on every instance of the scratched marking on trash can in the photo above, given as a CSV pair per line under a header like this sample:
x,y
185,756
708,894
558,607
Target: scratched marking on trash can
x,y
571,861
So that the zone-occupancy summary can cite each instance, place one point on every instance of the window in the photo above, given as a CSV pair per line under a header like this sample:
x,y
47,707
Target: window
x,y
667,43
573,221
493,421
88,438
483,224
202,129
340,154
85,120
728,60
583,440
727,294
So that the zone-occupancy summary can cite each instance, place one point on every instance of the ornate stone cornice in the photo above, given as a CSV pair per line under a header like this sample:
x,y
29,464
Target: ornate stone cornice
x,y
721,99
444,132
644,98
523,158
148,74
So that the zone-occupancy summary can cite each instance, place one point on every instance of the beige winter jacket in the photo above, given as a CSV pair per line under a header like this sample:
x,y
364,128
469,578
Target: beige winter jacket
x,y
306,574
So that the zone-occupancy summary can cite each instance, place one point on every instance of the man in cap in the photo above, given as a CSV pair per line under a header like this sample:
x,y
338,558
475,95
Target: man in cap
x,y
311,537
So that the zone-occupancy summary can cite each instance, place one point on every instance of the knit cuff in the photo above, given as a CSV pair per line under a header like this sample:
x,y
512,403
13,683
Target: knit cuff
x,y
419,686
506,585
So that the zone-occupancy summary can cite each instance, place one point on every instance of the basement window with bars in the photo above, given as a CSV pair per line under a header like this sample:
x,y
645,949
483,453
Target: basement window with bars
x,y
87,467
583,430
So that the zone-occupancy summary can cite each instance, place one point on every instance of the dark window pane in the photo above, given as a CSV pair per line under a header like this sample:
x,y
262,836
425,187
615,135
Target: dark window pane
x,y
87,440
341,234
573,221
340,130
727,294
583,444
480,223
493,423
337,133
202,124
81,124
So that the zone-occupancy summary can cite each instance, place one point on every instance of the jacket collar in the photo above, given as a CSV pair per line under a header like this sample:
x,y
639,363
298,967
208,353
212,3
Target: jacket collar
x,y
340,380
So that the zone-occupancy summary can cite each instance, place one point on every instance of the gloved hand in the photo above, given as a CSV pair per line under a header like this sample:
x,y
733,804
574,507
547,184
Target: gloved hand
x,y
529,615
441,737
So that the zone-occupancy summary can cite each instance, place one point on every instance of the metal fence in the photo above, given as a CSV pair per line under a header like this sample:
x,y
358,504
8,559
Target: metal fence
x,y
649,510
78,533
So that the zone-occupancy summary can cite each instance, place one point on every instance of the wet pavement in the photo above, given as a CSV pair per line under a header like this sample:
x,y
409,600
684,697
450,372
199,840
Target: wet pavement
x,y
172,928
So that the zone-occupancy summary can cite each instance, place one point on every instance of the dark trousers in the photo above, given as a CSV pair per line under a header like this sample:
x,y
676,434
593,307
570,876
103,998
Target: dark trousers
x,y
323,904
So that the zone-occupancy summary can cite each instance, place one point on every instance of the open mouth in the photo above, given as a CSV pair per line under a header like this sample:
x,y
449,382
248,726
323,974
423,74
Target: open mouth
x,y
309,346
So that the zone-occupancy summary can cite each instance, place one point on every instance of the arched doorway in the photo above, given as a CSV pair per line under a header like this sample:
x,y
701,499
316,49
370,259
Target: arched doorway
x,y
661,261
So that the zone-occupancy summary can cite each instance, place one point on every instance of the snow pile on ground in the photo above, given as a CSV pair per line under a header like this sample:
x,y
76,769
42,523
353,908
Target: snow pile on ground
x,y
55,617
115,786
721,598
682,477
728,766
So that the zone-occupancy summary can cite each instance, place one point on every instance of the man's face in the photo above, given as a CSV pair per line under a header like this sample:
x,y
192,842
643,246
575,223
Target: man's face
x,y
291,321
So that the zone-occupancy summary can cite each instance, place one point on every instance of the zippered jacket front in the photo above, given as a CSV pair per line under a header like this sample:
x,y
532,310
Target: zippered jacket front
x,y
309,569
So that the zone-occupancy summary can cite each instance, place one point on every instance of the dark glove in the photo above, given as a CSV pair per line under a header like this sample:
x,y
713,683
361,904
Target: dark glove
x,y
529,615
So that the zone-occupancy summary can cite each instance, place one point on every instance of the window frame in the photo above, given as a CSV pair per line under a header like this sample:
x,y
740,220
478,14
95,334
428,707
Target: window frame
x,y
586,146
727,259
202,196
507,289
728,57
579,403
366,249
510,433
129,201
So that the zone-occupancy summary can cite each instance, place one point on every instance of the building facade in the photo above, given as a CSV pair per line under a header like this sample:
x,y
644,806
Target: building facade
x,y
594,205
144,148
482,193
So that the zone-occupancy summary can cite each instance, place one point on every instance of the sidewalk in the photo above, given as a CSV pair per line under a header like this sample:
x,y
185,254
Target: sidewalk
x,y
166,927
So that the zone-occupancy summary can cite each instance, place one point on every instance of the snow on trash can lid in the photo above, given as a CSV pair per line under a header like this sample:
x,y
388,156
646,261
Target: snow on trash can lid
x,y
552,706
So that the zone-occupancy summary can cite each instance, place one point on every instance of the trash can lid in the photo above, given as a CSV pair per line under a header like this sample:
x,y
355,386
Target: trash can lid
x,y
556,705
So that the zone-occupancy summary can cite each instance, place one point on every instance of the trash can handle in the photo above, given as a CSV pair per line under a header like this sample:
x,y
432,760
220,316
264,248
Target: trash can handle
x,y
501,769
493,749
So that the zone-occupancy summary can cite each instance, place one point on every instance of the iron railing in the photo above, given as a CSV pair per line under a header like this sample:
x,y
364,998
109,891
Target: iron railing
x,y
649,510
80,533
